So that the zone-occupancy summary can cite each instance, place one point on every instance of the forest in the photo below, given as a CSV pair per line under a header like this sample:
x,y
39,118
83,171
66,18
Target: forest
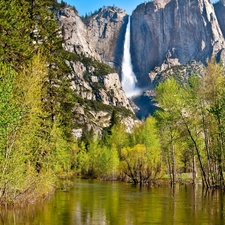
x,y
37,148
184,139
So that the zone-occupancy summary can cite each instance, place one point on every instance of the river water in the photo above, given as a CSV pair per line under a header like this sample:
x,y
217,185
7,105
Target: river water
x,y
92,202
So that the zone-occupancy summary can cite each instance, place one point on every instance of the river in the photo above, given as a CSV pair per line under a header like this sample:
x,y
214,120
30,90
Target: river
x,y
92,202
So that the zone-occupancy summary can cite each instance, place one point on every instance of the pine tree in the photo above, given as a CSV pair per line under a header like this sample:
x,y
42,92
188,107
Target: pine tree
x,y
15,42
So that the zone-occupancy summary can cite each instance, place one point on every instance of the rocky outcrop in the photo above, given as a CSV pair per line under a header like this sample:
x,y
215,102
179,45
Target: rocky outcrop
x,y
105,87
146,102
176,31
98,95
96,40
107,30
74,32
180,72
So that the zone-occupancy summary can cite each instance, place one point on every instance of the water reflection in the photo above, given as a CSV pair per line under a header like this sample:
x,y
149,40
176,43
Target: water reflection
x,y
101,203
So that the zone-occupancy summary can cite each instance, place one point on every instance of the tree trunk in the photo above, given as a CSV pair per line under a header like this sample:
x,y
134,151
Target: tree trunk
x,y
194,172
173,158
204,177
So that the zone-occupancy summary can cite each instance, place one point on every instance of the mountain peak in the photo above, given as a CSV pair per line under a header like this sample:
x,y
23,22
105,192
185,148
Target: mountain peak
x,y
111,8
161,3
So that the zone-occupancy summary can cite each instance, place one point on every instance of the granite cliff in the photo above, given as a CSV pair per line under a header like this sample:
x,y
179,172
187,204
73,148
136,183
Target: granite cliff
x,y
165,35
92,43
220,13
173,32
99,36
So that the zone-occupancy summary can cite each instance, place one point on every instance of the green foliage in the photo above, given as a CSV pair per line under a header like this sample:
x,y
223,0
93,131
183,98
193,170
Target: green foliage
x,y
191,123
115,120
15,42
32,149
95,67
63,152
142,161
8,121
11,114
147,134
36,118
118,138
136,155
137,164
98,161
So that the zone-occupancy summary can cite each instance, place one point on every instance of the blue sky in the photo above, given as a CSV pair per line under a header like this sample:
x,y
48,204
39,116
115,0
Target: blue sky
x,y
86,6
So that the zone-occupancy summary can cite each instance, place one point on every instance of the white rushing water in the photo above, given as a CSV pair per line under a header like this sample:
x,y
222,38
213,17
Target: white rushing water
x,y
129,80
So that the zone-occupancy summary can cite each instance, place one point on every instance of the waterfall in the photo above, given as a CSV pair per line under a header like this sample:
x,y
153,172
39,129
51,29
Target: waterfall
x,y
129,80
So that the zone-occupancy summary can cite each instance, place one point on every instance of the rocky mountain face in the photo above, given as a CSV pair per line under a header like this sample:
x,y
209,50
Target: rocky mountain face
x,y
107,29
173,32
74,32
167,37
220,14
99,36
98,96
94,41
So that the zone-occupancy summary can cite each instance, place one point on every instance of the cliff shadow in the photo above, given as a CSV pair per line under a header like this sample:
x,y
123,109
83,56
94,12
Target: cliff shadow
x,y
146,106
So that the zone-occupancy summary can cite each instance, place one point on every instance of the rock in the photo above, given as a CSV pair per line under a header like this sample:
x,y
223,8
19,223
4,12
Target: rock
x,y
220,14
167,36
99,36
222,56
179,72
75,35
77,133
107,30
97,97
113,85
187,30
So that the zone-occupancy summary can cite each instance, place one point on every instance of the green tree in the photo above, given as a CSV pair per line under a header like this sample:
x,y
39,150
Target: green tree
x,y
168,97
195,111
98,161
11,159
35,132
138,164
36,136
119,137
213,93
142,161
16,44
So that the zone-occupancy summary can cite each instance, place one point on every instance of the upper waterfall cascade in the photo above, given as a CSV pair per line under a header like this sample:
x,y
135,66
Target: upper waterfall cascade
x,y
129,81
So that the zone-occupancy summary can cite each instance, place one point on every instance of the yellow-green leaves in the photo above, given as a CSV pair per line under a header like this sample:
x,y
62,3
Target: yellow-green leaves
x,y
139,163
11,160
99,161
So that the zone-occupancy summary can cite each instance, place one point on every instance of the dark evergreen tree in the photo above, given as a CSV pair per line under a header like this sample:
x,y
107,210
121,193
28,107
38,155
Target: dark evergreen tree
x,y
15,42
115,120
46,35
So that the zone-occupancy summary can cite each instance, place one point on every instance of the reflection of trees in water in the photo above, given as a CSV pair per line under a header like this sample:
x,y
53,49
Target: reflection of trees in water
x,y
95,202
